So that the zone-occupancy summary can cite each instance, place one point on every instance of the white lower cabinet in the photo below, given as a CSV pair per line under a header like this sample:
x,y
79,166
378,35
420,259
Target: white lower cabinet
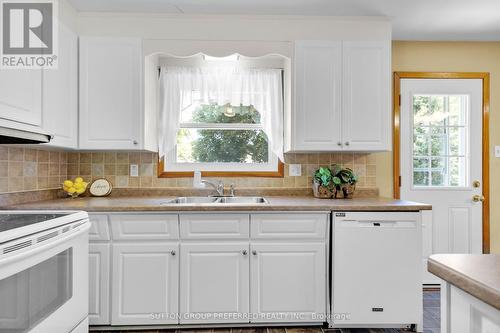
x,y
223,268
289,279
464,313
145,283
214,281
99,259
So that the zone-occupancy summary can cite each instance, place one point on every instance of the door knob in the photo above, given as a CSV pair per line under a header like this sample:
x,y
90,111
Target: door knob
x,y
244,252
172,252
478,198
254,252
476,183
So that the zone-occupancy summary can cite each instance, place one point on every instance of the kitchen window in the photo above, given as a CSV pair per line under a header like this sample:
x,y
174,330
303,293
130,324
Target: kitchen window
x,y
223,121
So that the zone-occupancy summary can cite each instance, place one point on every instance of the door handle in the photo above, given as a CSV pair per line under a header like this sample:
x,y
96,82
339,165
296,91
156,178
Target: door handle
x,y
478,198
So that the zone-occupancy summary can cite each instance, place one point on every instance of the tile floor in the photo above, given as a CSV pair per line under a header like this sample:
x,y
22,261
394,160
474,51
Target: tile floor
x,y
431,324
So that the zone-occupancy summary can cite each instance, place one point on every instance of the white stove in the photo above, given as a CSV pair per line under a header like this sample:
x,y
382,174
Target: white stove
x,y
43,271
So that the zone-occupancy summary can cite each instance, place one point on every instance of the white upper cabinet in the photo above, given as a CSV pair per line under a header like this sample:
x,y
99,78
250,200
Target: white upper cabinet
x,y
342,96
111,93
60,93
21,98
366,83
318,76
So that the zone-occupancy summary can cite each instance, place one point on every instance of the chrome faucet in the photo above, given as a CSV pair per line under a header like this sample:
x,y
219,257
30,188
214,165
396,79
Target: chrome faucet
x,y
219,188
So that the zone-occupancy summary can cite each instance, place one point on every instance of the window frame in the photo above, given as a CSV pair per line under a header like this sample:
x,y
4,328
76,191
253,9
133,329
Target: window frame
x,y
273,168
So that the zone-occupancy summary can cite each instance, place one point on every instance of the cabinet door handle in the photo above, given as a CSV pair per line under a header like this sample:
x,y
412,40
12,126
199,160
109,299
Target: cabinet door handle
x,y
172,252
254,252
244,252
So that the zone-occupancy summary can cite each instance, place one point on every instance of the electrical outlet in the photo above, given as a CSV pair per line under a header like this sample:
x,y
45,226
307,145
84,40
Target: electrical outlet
x,y
497,151
134,170
295,170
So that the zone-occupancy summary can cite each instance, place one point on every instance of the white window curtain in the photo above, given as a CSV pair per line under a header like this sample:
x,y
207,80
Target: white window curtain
x,y
262,88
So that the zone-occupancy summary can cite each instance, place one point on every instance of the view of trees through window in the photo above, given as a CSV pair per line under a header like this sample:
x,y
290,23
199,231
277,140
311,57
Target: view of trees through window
x,y
221,134
440,140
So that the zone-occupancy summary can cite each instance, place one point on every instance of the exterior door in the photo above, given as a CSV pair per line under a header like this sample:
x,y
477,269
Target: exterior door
x,y
146,284
214,282
441,159
288,279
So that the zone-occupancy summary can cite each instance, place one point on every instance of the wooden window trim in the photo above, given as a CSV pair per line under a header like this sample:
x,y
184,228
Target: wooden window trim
x,y
485,77
280,173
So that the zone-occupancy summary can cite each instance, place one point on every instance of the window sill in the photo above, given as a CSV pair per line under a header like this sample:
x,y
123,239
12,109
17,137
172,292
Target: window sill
x,y
180,174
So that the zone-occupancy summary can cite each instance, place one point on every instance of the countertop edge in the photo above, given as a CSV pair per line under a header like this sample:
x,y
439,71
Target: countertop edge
x,y
472,286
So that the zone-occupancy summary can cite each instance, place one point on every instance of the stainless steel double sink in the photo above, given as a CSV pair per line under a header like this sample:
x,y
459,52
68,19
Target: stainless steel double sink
x,y
216,200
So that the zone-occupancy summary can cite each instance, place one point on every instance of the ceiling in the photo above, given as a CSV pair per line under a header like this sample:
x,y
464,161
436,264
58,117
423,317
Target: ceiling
x,y
412,19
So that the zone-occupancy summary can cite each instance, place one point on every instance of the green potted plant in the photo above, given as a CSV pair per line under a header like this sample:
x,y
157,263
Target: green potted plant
x,y
324,184
346,181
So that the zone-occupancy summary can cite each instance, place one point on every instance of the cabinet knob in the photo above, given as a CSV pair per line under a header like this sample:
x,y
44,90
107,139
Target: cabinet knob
x,y
347,143
339,143
244,252
135,142
254,252
172,252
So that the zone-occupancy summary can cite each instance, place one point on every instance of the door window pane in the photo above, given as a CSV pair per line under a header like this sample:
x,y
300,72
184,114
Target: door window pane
x,y
440,140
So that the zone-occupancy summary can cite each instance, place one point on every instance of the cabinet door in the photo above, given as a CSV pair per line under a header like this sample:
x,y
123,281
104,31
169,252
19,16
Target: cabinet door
x,y
110,93
99,269
21,98
467,314
316,117
214,280
366,116
145,284
288,278
60,89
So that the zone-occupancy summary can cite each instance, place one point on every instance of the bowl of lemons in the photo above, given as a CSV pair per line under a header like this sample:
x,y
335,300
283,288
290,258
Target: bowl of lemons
x,y
74,187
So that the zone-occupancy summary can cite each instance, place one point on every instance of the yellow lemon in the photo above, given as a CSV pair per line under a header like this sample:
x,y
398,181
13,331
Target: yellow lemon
x,y
71,190
80,191
78,180
85,184
68,183
78,185
65,188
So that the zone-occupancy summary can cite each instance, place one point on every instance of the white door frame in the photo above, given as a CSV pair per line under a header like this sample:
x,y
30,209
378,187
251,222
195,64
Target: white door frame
x,y
485,77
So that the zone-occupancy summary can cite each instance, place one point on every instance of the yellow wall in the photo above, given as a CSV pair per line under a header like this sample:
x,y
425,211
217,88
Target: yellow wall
x,y
454,57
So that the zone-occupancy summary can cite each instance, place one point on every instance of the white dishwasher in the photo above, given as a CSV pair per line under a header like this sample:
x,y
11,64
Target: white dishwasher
x,y
376,270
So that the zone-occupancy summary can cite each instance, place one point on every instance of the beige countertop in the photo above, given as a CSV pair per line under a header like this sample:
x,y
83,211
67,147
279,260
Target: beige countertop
x,y
477,274
155,203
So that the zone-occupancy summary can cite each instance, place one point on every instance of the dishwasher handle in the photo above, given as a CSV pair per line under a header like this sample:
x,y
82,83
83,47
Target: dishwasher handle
x,y
378,224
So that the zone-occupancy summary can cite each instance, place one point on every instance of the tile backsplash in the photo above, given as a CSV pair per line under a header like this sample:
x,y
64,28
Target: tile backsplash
x,y
27,169
115,166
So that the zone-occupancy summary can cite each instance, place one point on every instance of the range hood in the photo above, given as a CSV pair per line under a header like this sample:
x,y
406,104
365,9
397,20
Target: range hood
x,y
13,136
